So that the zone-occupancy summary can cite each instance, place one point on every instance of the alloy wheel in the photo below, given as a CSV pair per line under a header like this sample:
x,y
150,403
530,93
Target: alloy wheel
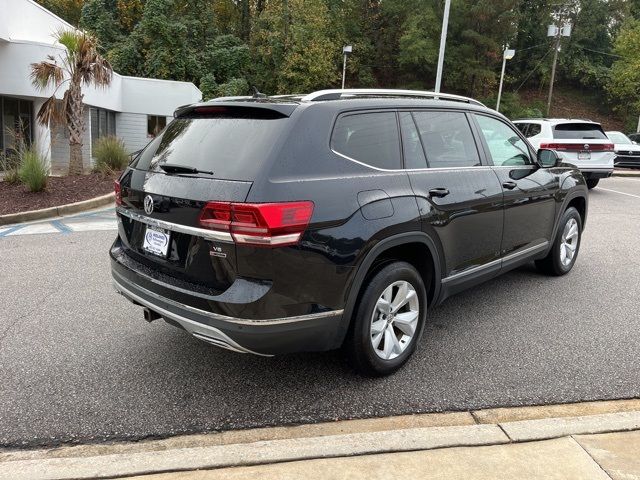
x,y
394,320
569,242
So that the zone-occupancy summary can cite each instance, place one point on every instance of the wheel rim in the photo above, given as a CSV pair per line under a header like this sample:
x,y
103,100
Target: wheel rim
x,y
569,242
394,320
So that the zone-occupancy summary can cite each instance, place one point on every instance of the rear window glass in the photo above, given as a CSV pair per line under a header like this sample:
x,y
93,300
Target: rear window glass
x,y
584,131
370,138
231,144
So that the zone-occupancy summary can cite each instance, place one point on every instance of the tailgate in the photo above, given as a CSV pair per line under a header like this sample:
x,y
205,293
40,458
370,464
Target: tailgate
x,y
158,225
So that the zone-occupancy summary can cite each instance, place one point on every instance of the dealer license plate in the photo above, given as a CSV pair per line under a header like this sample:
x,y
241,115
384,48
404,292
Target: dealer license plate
x,y
156,241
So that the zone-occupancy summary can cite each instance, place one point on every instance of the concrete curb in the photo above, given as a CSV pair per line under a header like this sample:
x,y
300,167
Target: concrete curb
x,y
336,439
53,212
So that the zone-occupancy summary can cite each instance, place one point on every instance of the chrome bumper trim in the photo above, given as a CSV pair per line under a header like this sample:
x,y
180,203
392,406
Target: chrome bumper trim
x,y
216,316
199,330
174,227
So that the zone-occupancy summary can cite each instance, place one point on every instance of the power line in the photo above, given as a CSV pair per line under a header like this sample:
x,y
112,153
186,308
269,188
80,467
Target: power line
x,y
534,69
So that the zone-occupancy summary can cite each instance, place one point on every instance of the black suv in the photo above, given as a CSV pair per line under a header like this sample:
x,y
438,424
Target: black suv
x,y
305,223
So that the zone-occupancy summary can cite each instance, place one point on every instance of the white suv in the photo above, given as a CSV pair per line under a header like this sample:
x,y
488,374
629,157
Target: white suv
x,y
580,142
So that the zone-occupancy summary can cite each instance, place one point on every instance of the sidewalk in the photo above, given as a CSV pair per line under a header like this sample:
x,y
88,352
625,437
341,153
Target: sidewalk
x,y
592,440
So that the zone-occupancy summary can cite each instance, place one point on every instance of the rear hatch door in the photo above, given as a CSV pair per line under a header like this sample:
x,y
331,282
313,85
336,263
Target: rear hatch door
x,y
211,154
583,144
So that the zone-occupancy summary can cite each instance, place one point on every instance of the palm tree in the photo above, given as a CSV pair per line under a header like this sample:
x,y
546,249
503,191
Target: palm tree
x,y
79,65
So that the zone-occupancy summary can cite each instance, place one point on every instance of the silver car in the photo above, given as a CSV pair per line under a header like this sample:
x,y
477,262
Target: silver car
x,y
582,143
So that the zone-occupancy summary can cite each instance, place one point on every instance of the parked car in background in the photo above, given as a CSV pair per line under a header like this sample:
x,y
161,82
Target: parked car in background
x,y
304,223
634,137
626,150
582,143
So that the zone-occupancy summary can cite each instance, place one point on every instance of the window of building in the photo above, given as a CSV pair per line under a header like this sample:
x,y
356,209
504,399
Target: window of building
x,y
16,123
447,139
103,124
155,124
370,138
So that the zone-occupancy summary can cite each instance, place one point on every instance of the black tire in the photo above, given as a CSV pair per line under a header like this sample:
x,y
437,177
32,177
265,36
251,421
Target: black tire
x,y
552,264
592,183
358,344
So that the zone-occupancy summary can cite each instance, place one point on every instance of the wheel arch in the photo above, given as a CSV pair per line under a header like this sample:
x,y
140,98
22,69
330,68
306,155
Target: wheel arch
x,y
402,247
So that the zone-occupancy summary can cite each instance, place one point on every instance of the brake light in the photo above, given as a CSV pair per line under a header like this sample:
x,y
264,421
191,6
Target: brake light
x,y
118,191
579,147
259,224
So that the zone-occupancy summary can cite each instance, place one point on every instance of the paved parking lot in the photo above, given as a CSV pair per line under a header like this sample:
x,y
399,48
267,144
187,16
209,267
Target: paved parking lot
x,y
78,363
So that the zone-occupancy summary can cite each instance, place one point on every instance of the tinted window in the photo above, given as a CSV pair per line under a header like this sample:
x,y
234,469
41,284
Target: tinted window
x,y
534,129
522,127
370,138
231,145
447,139
411,145
505,146
584,131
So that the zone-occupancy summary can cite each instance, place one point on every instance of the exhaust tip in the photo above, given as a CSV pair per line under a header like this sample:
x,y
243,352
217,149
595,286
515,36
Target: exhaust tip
x,y
150,315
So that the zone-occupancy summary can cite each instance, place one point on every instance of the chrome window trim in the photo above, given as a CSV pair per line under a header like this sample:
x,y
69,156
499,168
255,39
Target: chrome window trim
x,y
174,227
511,256
215,316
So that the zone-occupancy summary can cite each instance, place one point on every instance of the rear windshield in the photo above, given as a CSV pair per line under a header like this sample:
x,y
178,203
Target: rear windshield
x,y
232,145
583,131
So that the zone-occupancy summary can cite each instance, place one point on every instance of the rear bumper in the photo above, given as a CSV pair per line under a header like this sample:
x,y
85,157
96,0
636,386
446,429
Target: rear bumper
x,y
313,332
589,173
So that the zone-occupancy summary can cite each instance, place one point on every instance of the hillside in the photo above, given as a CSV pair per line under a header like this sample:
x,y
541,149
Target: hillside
x,y
576,104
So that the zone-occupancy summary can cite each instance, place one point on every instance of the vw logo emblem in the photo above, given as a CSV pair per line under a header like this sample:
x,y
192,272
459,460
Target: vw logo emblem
x,y
148,205
586,146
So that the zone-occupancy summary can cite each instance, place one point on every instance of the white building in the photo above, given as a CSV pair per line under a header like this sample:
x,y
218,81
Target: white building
x,y
131,108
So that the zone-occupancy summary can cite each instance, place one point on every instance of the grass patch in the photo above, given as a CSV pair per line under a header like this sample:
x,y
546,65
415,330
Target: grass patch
x,y
110,155
33,171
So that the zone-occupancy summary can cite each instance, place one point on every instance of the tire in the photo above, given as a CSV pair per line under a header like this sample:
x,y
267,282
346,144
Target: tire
x,y
387,285
557,262
592,183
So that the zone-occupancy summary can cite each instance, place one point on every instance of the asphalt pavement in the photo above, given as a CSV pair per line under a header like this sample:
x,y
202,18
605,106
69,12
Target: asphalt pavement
x,y
79,364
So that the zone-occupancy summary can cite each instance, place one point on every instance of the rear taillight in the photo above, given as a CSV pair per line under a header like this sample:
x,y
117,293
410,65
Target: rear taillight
x,y
118,191
579,147
259,224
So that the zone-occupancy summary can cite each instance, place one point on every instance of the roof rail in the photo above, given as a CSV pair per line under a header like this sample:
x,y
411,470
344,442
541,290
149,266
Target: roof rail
x,y
337,94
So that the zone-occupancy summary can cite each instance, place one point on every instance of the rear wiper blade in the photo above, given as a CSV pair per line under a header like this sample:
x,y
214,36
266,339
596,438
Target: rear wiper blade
x,y
172,168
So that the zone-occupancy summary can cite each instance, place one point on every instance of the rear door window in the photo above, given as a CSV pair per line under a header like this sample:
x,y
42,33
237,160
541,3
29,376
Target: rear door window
x,y
523,127
230,142
534,129
371,138
447,139
585,131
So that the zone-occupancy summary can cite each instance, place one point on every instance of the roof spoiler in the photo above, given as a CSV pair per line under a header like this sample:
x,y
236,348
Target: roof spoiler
x,y
284,109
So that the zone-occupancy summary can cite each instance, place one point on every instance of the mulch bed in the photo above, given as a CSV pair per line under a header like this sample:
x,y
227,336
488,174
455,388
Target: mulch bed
x,y
59,191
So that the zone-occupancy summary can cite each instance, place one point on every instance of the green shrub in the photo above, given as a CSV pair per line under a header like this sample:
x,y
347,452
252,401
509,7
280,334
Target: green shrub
x,y
9,165
33,171
110,154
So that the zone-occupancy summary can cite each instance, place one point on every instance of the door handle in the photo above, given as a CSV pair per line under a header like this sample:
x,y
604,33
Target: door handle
x,y
509,185
438,192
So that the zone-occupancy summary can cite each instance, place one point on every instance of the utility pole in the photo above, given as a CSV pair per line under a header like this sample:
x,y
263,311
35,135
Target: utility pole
x,y
553,71
564,30
443,43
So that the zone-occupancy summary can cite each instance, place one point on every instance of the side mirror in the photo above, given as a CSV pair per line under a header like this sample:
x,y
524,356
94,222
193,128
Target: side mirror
x,y
547,158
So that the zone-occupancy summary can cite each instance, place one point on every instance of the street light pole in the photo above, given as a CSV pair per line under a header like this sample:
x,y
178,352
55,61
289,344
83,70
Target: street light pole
x,y
443,42
345,52
506,55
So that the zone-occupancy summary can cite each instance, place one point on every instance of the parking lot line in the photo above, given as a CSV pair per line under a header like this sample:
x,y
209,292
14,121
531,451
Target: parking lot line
x,y
621,193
